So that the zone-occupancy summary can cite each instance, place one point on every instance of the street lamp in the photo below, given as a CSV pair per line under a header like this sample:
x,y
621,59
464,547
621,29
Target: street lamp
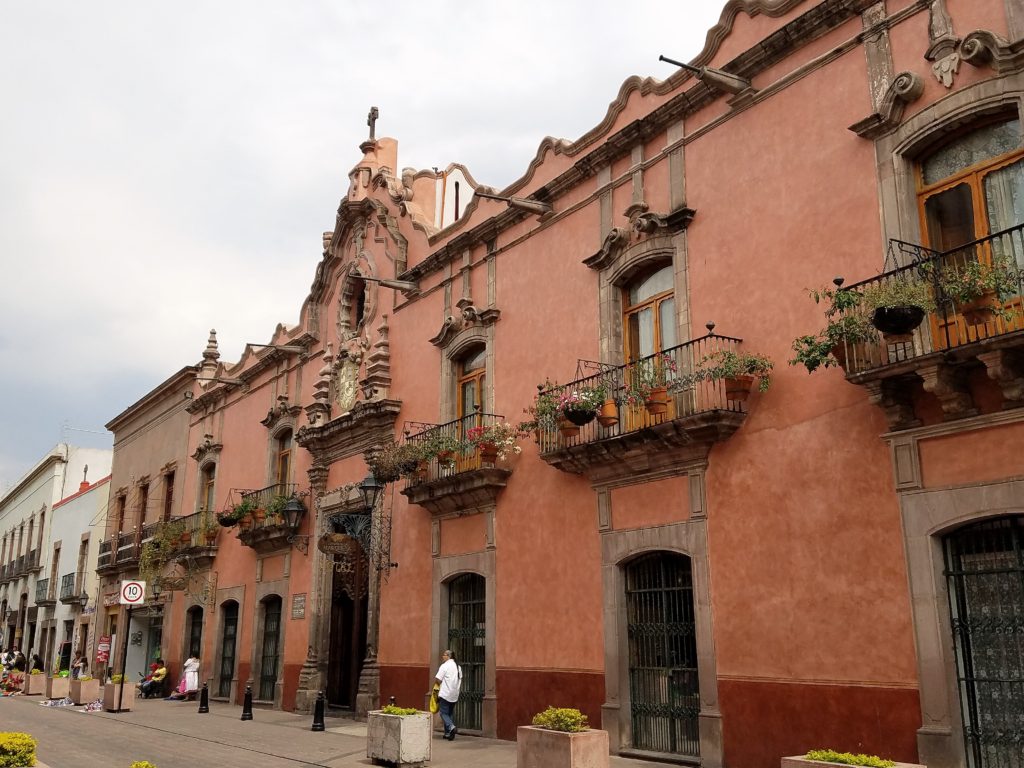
x,y
371,489
293,512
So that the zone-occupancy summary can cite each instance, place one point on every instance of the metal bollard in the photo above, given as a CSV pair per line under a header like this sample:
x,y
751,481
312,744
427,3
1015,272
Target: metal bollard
x,y
318,712
392,701
204,700
247,704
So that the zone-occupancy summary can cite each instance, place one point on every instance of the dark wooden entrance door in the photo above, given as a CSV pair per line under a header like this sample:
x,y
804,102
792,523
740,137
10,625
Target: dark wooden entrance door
x,y
348,632
985,571
663,691
467,631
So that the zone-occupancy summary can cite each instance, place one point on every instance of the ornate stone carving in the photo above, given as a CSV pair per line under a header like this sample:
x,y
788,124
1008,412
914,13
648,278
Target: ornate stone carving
x,y
350,358
642,223
461,493
1006,368
949,385
318,412
208,368
206,449
942,48
894,398
987,49
469,315
281,410
904,89
377,383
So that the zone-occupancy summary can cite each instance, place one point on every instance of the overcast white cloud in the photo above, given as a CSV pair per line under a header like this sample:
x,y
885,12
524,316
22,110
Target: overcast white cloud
x,y
147,149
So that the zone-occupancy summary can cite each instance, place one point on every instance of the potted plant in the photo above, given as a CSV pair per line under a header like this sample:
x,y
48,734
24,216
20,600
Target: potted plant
x,y
494,441
112,694
830,757
846,325
443,446
897,306
737,370
648,381
398,735
58,686
210,528
393,460
18,749
979,288
232,517
580,405
560,738
259,514
275,509
34,683
84,689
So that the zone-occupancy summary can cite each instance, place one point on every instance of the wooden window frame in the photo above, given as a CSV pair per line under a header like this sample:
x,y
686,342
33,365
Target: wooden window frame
x,y
654,303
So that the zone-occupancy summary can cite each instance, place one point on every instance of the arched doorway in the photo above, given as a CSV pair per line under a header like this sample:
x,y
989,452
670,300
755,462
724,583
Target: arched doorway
x,y
228,638
467,632
194,639
664,695
985,573
347,648
270,648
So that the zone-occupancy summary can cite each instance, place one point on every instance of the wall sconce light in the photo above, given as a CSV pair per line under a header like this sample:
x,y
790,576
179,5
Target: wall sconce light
x,y
293,512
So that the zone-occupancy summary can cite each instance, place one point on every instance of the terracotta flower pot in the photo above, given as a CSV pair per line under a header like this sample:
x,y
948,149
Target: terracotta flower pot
x,y
656,401
488,453
245,523
979,311
608,416
443,457
185,539
259,515
568,429
210,537
738,389
839,353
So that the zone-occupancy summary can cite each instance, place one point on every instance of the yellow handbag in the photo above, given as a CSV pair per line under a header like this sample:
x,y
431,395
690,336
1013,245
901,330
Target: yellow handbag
x,y
433,702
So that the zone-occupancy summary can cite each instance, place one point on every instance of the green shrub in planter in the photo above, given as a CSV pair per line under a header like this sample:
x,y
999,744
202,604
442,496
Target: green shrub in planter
x,y
561,719
142,764
391,709
848,758
17,749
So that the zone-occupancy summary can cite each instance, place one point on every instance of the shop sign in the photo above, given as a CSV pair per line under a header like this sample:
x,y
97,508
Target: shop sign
x,y
111,598
335,543
299,606
103,649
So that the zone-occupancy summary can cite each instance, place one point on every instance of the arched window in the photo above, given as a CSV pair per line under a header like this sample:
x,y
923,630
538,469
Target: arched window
x,y
973,185
283,457
207,482
648,314
471,382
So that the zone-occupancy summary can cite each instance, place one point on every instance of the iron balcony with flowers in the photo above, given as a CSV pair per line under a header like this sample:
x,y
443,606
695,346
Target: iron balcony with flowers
x,y
661,411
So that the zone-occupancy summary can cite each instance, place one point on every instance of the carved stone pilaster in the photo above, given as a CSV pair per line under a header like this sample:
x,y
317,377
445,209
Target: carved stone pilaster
x,y
942,43
318,412
378,364
949,385
893,397
317,475
904,89
1006,368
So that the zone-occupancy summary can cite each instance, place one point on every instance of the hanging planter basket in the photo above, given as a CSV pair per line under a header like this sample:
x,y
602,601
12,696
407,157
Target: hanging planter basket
x,y
897,323
979,311
580,418
568,429
738,389
656,401
608,416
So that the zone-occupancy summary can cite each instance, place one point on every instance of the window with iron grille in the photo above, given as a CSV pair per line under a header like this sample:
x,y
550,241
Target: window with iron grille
x,y
271,639
467,632
227,648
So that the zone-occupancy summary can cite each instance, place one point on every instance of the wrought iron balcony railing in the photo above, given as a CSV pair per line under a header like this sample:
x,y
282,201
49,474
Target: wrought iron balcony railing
x,y
32,560
264,497
19,566
106,554
201,527
673,368
71,587
127,548
449,463
949,327
43,591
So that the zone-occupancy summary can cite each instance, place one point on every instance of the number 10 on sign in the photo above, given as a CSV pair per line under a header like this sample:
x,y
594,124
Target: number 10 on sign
x,y
133,592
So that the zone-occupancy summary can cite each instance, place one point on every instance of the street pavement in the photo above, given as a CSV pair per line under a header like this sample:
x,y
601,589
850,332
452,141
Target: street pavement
x,y
172,734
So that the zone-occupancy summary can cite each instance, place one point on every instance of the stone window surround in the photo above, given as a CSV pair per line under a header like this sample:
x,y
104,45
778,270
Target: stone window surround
x,y
618,548
445,569
185,629
286,424
201,485
461,344
265,590
647,254
926,516
224,596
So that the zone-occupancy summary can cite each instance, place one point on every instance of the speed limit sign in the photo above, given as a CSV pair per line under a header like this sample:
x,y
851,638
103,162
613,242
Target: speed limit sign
x,y
133,592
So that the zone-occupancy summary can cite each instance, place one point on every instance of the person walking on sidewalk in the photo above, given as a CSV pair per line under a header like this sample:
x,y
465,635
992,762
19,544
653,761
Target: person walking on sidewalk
x,y
447,683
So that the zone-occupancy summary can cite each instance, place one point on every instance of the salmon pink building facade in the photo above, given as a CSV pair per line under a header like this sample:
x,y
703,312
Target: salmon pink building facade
x,y
711,574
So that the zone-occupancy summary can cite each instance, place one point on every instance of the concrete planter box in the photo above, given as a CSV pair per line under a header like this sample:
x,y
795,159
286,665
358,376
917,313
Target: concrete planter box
x,y
85,691
110,696
34,685
397,739
543,748
803,762
57,687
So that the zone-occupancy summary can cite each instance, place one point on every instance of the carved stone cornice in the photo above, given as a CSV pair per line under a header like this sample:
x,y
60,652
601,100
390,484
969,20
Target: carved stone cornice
x,y
894,397
643,223
463,493
1006,368
982,48
282,410
468,317
660,450
905,88
207,449
267,538
368,424
949,385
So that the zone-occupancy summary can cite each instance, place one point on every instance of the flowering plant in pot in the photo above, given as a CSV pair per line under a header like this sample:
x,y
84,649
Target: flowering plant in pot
x,y
846,325
560,737
231,517
443,446
980,288
738,371
897,306
648,380
581,404
393,460
495,441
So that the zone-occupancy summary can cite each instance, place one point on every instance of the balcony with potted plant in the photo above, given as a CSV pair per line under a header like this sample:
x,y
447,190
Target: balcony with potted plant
x,y
198,536
460,464
273,518
658,412
947,324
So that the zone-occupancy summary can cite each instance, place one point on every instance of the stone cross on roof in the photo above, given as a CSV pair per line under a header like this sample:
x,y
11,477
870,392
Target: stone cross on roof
x,y
371,120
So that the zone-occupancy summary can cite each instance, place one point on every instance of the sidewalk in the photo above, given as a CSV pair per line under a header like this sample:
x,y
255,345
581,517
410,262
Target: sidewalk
x,y
221,738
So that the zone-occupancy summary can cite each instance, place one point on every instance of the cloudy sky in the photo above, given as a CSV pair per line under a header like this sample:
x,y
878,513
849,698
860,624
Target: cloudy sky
x,y
167,168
